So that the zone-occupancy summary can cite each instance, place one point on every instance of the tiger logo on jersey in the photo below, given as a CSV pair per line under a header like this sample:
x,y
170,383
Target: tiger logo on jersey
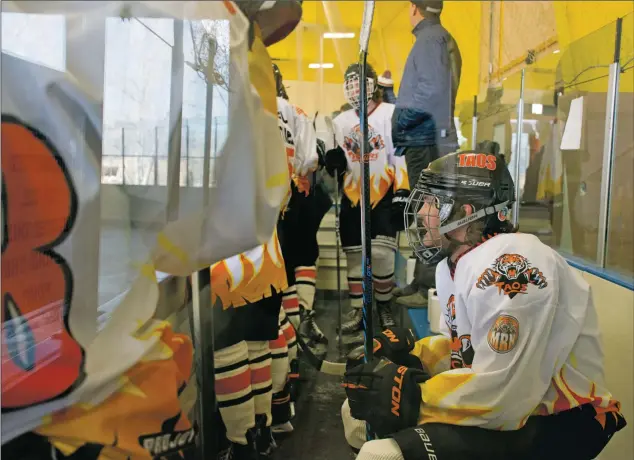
x,y
461,348
504,333
512,274
352,144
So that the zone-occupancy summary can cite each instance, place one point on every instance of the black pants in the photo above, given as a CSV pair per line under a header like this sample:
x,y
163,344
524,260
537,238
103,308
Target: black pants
x,y
297,229
571,435
417,159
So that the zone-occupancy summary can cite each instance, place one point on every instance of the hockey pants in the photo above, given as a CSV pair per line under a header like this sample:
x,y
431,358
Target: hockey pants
x,y
579,434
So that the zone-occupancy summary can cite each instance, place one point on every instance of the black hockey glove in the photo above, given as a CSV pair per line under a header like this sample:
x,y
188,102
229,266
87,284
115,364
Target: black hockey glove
x,y
385,395
336,161
398,209
321,153
394,344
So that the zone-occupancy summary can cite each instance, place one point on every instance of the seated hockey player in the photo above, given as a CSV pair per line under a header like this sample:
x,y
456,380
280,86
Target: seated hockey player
x,y
517,372
389,189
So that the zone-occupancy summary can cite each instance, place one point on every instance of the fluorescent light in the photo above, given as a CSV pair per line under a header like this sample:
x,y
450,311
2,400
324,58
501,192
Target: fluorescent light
x,y
538,109
338,34
556,51
325,65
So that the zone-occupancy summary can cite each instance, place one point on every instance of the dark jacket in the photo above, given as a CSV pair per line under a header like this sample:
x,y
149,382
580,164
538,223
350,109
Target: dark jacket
x,y
427,94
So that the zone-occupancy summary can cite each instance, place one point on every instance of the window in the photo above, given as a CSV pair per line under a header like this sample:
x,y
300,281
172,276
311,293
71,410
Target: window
x,y
38,38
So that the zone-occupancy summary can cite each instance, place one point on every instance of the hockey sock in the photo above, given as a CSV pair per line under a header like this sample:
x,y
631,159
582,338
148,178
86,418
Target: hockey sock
x,y
279,365
355,287
289,335
261,382
234,391
383,286
305,280
383,272
290,303
381,449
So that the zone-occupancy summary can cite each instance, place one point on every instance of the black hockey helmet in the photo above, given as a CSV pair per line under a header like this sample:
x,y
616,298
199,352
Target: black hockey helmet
x,y
351,88
279,82
471,178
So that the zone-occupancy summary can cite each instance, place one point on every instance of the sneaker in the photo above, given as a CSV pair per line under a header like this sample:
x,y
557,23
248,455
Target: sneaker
x,y
308,328
404,291
384,311
416,300
355,324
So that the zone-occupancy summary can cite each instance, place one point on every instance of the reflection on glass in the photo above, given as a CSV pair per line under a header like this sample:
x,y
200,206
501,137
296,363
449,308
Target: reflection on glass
x,y
38,38
136,107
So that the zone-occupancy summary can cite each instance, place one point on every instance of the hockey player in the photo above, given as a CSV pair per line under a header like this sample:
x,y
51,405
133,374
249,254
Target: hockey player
x,y
389,190
302,215
518,370
252,338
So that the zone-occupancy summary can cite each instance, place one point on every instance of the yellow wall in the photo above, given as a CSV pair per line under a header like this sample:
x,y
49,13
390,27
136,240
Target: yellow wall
x,y
518,26
615,306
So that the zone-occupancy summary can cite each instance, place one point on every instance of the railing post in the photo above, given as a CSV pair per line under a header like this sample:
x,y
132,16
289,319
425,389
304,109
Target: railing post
x,y
518,148
609,141
474,124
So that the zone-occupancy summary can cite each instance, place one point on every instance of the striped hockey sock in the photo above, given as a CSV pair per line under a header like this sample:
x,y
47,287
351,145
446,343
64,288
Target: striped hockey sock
x,y
261,380
305,280
234,391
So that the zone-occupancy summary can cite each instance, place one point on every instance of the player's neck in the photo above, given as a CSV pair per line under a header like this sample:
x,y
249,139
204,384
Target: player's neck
x,y
459,252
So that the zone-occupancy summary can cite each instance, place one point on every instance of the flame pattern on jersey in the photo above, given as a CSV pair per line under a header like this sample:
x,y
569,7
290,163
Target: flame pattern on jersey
x,y
386,170
143,419
250,276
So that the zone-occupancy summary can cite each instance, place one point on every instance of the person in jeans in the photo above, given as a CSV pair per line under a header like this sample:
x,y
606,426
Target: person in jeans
x,y
423,126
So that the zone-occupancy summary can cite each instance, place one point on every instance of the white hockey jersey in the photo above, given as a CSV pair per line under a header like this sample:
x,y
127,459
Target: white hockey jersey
x,y
386,170
300,141
520,337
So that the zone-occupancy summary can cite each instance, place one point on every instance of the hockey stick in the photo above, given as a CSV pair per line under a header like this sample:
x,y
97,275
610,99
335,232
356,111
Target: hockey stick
x,y
366,229
366,226
331,129
326,367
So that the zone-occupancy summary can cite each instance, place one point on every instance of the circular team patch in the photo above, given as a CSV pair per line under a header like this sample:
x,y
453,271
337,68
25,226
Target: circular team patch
x,y
504,333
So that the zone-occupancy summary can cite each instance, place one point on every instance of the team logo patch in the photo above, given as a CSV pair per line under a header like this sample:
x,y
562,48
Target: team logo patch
x,y
511,273
352,144
504,333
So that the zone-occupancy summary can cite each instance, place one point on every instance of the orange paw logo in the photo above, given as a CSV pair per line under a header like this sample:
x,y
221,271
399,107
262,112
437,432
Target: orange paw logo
x,y
41,361
512,274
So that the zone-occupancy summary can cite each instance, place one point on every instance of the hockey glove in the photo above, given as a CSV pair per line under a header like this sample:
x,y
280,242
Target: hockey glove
x,y
321,153
398,209
336,161
385,395
394,344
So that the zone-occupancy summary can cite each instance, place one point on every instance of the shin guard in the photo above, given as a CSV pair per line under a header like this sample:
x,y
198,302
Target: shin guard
x,y
234,392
